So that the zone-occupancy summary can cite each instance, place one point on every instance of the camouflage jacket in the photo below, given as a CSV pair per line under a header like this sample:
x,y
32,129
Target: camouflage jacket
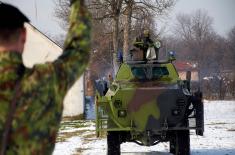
x,y
39,108
143,43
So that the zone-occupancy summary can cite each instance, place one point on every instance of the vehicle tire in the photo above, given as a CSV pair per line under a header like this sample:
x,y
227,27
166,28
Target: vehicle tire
x,y
113,142
180,143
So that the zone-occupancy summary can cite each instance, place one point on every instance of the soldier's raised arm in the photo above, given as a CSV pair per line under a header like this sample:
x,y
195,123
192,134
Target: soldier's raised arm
x,y
32,99
72,63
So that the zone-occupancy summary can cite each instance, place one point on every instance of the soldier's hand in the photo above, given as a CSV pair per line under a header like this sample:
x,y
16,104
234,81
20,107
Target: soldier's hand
x,y
72,1
81,2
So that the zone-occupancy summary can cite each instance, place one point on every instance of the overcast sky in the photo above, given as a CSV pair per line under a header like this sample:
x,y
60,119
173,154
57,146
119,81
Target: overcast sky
x,y
40,13
222,12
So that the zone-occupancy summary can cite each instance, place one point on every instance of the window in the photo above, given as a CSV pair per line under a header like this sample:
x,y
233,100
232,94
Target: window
x,y
159,72
139,73
149,73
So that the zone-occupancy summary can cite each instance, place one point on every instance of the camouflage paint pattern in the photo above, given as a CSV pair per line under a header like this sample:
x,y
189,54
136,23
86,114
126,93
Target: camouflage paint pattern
x,y
148,103
39,109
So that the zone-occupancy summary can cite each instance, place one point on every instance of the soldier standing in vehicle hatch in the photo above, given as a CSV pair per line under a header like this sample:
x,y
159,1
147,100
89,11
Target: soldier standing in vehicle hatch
x,y
32,99
144,42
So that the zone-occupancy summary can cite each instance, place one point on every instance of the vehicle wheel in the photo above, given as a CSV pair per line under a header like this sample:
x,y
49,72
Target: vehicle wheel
x,y
113,142
180,143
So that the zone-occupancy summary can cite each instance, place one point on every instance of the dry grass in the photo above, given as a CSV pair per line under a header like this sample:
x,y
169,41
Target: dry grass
x,y
73,118
67,125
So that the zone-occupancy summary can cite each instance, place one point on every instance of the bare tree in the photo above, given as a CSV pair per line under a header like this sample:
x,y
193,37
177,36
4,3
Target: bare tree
x,y
147,10
115,20
108,9
197,33
231,37
231,41
62,12
127,26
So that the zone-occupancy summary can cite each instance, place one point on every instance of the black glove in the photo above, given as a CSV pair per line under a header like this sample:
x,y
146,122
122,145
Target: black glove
x,y
72,1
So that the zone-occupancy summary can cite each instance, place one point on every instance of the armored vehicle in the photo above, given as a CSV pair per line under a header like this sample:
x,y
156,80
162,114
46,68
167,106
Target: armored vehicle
x,y
147,103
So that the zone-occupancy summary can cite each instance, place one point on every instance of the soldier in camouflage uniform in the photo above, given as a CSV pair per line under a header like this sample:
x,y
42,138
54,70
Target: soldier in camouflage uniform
x,y
144,42
38,111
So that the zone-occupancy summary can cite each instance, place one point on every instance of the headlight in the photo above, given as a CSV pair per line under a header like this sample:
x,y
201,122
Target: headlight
x,y
122,113
176,112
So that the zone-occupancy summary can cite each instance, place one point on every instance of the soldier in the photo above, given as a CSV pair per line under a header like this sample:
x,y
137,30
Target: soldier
x,y
144,42
32,99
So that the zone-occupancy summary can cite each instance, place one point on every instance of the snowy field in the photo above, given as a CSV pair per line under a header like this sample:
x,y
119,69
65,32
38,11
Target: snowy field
x,y
78,137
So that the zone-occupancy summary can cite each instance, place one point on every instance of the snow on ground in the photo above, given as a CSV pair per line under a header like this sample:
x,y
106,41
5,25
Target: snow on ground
x,y
67,147
78,137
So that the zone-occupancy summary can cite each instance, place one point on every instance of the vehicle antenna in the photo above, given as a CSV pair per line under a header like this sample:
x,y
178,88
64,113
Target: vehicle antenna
x,y
36,11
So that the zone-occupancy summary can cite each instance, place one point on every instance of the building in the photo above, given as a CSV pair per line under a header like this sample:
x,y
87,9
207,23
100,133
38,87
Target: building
x,y
40,49
182,68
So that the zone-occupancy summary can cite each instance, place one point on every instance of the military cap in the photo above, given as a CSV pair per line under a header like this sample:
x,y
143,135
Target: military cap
x,y
11,17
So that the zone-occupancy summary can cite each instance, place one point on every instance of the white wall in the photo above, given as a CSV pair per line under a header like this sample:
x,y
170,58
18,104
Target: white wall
x,y
40,49
194,75
74,99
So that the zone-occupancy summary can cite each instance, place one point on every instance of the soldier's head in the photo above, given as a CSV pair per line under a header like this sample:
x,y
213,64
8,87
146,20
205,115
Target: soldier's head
x,y
146,33
12,30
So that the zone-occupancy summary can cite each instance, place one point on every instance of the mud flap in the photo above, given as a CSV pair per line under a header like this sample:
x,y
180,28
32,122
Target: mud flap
x,y
113,143
180,143
199,107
